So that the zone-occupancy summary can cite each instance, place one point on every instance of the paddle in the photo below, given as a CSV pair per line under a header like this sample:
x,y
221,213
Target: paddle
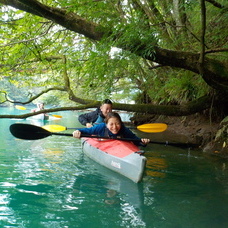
x,y
149,128
32,132
24,108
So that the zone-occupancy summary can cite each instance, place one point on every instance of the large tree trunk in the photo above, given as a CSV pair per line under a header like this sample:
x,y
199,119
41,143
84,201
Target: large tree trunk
x,y
215,72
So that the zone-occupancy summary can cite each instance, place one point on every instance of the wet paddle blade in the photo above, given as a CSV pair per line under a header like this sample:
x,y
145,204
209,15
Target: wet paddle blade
x,y
54,128
152,127
149,128
32,132
20,107
28,131
57,116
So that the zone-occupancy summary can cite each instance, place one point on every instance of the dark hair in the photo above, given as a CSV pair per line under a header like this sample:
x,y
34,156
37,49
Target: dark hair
x,y
107,101
113,115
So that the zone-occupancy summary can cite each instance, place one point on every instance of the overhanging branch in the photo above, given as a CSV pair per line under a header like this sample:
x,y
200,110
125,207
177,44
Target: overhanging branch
x,y
38,95
168,110
216,4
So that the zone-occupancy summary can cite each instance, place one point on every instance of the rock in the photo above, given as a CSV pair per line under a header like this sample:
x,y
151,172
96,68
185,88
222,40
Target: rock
x,y
219,146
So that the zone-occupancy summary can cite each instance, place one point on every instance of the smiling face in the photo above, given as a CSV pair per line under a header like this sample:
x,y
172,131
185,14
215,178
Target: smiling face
x,y
105,109
113,125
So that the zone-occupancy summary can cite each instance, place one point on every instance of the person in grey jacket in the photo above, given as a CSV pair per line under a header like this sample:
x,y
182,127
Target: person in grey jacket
x,y
97,116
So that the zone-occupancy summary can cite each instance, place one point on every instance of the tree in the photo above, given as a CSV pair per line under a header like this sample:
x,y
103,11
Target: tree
x,y
160,35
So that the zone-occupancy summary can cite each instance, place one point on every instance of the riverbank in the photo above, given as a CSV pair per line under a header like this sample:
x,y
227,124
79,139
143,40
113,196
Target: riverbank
x,y
193,129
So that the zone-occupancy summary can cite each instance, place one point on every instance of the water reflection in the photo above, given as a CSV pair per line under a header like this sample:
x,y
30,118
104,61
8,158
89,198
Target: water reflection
x,y
113,183
156,167
6,213
114,190
51,183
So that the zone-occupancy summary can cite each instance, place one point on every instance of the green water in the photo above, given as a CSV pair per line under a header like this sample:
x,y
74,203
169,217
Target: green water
x,y
51,183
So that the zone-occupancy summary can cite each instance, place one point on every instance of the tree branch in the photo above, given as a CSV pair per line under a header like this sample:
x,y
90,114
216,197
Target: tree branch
x,y
203,30
169,110
38,95
68,86
28,40
216,4
91,105
216,50
60,16
215,71
157,66
6,97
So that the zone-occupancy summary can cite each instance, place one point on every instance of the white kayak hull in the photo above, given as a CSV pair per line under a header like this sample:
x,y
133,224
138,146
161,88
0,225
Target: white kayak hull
x,y
40,117
131,164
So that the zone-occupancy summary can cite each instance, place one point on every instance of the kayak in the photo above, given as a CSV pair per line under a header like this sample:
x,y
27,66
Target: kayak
x,y
42,117
122,157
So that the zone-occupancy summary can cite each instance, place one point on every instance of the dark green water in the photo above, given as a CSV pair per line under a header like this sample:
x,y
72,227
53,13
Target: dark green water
x,y
51,183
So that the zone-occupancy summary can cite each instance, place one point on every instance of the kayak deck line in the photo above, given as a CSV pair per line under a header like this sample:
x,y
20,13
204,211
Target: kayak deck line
x,y
109,146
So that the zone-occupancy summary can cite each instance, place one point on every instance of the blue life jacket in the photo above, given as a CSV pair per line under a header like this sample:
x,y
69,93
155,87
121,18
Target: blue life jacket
x,y
99,120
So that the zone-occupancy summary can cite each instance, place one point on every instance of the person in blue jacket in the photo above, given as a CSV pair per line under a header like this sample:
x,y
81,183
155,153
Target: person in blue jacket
x,y
113,127
97,116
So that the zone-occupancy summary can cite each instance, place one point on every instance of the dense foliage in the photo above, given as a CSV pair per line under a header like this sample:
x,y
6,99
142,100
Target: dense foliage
x,y
37,53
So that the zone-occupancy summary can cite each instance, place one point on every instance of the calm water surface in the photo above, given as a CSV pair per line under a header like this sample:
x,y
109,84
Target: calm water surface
x,y
51,183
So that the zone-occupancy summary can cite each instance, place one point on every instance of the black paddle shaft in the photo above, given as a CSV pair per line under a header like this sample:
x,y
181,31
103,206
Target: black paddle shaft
x,y
32,132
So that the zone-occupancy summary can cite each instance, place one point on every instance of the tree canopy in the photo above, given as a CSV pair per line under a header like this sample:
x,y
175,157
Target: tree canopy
x,y
170,55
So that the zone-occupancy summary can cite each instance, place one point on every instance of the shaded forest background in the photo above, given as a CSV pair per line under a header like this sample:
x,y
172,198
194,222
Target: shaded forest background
x,y
167,58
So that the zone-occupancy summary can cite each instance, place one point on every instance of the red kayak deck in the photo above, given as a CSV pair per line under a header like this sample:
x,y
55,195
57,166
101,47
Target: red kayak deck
x,y
116,148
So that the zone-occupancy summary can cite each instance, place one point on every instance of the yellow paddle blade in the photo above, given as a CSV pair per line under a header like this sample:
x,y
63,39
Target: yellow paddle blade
x,y
20,107
54,128
152,127
57,116
24,108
